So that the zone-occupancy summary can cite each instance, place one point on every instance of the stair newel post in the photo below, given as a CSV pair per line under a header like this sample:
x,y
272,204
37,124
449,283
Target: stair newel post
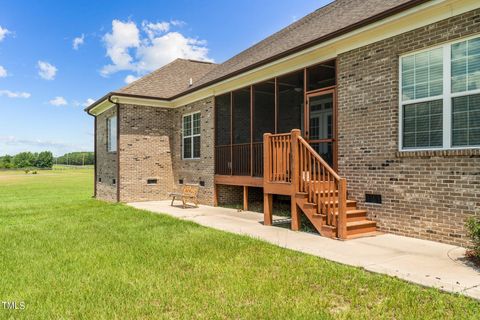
x,y
342,209
267,162
295,174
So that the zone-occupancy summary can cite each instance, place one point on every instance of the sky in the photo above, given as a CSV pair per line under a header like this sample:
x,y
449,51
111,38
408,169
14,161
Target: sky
x,y
57,57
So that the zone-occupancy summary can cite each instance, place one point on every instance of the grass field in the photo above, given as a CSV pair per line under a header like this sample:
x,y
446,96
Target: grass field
x,y
65,255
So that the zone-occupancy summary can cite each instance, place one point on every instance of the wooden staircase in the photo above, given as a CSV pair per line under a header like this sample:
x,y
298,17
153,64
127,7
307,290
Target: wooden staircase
x,y
292,166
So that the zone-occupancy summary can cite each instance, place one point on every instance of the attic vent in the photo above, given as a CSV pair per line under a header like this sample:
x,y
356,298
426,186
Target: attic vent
x,y
190,82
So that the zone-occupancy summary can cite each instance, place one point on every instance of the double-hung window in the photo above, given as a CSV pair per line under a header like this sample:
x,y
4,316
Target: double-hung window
x,y
440,97
112,134
191,136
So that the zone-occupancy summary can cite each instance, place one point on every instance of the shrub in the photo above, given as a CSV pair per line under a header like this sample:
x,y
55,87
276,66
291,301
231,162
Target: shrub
x,y
34,172
473,227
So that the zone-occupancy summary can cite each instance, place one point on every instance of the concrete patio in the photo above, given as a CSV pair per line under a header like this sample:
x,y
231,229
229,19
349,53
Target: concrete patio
x,y
419,261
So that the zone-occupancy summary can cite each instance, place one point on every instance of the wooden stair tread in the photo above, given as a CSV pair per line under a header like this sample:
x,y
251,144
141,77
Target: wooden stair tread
x,y
349,212
336,202
353,224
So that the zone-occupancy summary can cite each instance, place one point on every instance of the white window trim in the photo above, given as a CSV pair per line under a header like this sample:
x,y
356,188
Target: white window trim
x,y
109,135
446,97
190,136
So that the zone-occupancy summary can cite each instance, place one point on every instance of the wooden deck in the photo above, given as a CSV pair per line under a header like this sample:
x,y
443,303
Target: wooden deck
x,y
291,167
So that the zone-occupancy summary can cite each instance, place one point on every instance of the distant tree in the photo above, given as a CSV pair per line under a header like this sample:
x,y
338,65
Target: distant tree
x,y
24,160
6,162
44,160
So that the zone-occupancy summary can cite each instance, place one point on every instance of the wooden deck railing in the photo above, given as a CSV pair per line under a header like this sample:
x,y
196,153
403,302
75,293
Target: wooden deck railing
x,y
241,159
278,157
244,159
290,159
223,160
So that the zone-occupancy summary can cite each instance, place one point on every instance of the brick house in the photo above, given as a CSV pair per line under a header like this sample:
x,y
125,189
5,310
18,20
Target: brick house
x,y
365,115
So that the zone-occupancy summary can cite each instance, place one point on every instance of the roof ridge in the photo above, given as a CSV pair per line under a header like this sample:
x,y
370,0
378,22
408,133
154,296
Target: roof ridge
x,y
154,72
148,75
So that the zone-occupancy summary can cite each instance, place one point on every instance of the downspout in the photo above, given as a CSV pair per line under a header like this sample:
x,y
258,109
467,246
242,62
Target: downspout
x,y
118,145
95,157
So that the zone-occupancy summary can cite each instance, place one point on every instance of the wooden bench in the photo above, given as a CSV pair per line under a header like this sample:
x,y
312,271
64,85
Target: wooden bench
x,y
189,192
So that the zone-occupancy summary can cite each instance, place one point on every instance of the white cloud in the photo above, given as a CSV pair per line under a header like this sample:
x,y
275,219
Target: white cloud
x,y
178,23
131,50
78,41
84,104
58,101
154,29
167,48
3,72
130,78
46,70
88,102
3,33
125,35
11,94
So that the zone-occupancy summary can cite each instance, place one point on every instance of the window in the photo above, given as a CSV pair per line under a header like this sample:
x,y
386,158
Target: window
x,y
191,136
440,97
112,134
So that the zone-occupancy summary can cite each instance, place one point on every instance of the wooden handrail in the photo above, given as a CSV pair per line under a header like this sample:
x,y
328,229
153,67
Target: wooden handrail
x,y
319,158
288,158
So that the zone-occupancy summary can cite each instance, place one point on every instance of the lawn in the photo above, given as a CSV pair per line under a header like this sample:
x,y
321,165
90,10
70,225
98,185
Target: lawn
x,y
66,255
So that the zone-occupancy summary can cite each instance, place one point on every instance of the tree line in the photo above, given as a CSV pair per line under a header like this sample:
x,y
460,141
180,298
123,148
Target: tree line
x,y
76,158
45,160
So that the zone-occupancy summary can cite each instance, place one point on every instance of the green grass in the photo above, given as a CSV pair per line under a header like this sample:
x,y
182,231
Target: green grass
x,y
68,256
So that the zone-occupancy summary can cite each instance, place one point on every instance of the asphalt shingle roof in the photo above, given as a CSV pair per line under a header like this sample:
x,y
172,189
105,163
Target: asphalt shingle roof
x,y
328,22
169,80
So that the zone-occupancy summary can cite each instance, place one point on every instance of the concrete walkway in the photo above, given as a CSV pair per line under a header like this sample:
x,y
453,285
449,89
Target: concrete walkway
x,y
423,262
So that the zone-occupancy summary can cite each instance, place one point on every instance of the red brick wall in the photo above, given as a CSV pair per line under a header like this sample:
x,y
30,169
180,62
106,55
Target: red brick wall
x,y
145,153
425,195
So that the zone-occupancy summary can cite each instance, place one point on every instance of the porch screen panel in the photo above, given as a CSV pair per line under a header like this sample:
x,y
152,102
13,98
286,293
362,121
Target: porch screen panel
x,y
241,132
321,76
263,121
263,110
290,102
223,134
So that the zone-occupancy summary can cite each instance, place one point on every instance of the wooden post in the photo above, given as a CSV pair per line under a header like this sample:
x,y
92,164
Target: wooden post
x,y
266,157
342,209
267,209
245,198
295,214
295,161
295,174
215,195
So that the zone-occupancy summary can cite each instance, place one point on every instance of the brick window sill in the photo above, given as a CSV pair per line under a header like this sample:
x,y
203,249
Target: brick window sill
x,y
439,153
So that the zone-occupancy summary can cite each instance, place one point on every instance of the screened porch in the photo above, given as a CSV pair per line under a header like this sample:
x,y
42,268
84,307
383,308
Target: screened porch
x,y
275,106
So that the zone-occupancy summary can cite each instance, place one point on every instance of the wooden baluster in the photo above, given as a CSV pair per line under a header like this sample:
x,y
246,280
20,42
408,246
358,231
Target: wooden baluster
x,y
329,199
274,159
310,187
304,165
314,176
333,196
320,189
